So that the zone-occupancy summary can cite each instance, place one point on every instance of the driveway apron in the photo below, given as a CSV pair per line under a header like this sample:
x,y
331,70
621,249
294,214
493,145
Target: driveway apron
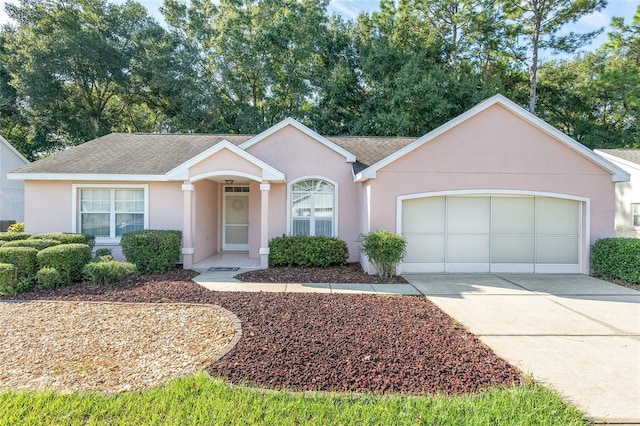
x,y
576,333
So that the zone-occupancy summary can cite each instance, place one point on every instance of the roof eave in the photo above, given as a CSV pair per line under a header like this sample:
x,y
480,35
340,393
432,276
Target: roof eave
x,y
616,159
365,175
87,177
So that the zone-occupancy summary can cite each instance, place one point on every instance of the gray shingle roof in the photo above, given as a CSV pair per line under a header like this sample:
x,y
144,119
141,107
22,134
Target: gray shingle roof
x,y
370,150
632,155
157,154
127,153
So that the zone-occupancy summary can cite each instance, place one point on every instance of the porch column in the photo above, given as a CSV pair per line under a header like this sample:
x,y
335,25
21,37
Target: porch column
x,y
187,233
264,225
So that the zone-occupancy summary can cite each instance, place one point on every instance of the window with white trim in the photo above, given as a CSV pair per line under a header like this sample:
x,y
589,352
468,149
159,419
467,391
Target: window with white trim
x,y
635,214
111,212
312,208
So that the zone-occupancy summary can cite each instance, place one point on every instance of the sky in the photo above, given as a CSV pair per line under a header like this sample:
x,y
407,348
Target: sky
x,y
350,9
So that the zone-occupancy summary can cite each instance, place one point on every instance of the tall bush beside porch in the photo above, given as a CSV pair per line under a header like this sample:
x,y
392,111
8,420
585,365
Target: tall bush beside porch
x,y
307,251
384,249
152,251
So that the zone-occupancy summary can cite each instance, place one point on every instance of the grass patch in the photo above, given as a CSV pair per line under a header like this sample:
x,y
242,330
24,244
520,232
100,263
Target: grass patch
x,y
199,400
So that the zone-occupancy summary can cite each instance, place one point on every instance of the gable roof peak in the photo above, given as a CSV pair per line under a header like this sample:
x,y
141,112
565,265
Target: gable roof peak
x,y
269,172
349,157
618,175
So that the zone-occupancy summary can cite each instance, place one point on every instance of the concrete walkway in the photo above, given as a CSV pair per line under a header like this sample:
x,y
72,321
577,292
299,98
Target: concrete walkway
x,y
579,334
224,281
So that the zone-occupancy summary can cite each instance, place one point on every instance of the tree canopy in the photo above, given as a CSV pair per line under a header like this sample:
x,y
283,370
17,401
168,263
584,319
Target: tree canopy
x,y
72,70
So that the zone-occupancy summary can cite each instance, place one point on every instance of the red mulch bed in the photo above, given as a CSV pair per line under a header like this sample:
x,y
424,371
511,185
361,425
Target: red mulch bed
x,y
329,342
349,273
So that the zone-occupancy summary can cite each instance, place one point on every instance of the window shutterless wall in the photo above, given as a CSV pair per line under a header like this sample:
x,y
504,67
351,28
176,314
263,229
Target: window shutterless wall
x,y
312,204
114,237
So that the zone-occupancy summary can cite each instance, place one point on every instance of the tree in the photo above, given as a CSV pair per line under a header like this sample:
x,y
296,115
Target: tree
x,y
258,57
338,95
410,85
12,122
81,67
621,78
469,30
595,97
536,25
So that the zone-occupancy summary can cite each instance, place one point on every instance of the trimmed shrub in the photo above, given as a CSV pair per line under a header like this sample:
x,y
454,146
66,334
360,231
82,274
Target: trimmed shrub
x,y
304,251
16,227
8,279
384,249
23,258
49,277
109,271
102,252
68,259
37,244
152,251
12,236
68,238
105,258
616,259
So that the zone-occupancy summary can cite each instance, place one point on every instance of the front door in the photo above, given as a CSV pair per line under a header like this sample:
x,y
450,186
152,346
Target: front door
x,y
236,218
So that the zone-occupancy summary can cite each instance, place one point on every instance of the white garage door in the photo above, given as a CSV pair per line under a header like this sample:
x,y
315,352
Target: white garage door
x,y
491,234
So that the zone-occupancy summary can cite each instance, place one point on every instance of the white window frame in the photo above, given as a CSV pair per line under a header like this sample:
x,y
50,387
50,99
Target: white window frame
x,y
634,215
335,201
75,208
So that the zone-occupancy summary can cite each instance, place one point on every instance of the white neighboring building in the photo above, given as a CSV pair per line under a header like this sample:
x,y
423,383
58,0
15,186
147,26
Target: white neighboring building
x,y
11,191
627,193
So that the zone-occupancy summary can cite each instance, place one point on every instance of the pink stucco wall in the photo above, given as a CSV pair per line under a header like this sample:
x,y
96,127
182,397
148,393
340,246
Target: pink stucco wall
x,y
48,207
494,150
165,205
297,155
224,160
206,219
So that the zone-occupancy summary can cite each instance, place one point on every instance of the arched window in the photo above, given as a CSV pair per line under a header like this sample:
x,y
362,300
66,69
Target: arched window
x,y
312,208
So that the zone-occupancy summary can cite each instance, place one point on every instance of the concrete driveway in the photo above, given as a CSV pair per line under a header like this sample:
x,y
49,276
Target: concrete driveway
x,y
579,334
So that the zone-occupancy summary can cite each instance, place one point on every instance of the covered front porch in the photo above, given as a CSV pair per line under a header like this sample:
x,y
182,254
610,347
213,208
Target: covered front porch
x,y
226,207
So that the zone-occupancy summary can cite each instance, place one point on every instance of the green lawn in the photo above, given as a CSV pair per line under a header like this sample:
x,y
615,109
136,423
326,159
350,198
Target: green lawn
x,y
198,400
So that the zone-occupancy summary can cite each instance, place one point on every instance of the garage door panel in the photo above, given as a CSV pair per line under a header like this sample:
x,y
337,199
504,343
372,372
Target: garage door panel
x,y
465,268
492,233
557,249
512,215
424,215
512,268
555,216
423,248
468,249
512,249
547,268
468,215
